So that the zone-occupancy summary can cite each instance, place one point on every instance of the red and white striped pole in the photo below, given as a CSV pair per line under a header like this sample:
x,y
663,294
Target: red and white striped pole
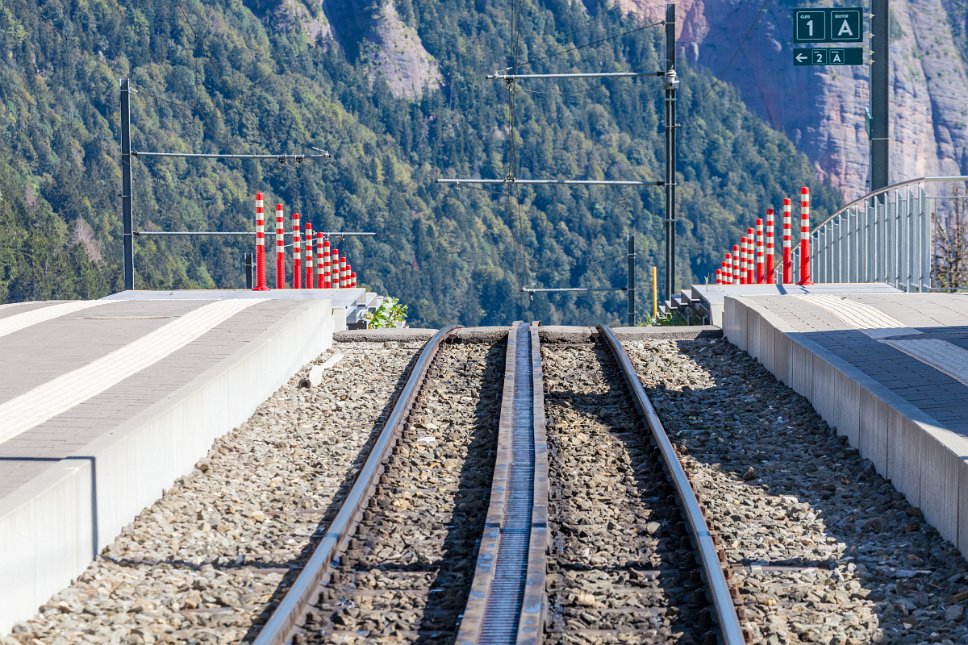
x,y
805,236
280,250
344,272
719,276
320,276
296,253
770,247
327,265
760,263
352,278
350,275
260,244
728,269
742,260
334,268
750,264
787,241
309,256
750,255
735,266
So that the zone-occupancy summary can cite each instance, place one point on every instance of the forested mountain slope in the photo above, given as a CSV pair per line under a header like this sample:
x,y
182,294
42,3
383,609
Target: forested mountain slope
x,y
398,95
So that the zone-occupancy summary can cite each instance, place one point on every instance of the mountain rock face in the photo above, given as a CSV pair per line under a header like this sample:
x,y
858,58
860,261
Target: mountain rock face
x,y
822,109
371,32
375,34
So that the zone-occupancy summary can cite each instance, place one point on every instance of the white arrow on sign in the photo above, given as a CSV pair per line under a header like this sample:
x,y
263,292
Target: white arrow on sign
x,y
800,57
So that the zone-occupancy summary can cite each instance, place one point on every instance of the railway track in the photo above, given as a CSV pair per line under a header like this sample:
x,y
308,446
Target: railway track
x,y
471,523
631,558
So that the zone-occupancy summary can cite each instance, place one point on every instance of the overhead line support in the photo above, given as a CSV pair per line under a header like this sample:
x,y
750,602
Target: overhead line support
x,y
512,77
127,218
671,87
553,182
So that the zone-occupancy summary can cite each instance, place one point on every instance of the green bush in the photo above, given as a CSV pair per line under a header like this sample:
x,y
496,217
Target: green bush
x,y
389,315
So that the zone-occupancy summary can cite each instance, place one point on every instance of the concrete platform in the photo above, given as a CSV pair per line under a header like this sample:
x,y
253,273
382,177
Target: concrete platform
x,y
105,403
711,297
889,371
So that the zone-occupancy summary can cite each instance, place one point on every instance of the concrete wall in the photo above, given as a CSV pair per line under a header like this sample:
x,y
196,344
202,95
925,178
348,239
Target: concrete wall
x,y
926,463
47,532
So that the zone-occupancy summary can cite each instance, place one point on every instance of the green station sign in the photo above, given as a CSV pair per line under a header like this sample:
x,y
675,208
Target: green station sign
x,y
828,25
828,56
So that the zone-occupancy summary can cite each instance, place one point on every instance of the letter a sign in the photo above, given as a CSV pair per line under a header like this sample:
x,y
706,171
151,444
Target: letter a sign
x,y
845,26
828,25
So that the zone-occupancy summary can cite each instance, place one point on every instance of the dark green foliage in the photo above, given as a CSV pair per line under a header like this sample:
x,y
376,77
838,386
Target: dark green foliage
x,y
228,76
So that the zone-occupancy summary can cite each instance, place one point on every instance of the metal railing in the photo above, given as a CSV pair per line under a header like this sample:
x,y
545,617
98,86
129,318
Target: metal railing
x,y
885,236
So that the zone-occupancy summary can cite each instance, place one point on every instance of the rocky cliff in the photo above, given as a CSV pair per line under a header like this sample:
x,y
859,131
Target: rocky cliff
x,y
823,108
372,33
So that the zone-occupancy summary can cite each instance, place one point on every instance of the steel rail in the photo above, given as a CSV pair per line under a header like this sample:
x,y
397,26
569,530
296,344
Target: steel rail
x,y
727,621
507,596
289,613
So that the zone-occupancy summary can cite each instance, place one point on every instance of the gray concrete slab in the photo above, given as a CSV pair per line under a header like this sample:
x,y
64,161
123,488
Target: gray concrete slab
x,y
886,370
69,484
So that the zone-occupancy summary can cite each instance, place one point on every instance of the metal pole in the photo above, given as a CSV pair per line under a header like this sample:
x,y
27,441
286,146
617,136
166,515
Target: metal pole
x,y
880,93
671,85
249,268
127,223
630,289
655,294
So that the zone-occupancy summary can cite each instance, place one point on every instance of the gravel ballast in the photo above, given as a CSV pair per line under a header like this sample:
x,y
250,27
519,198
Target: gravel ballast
x,y
822,548
207,560
621,566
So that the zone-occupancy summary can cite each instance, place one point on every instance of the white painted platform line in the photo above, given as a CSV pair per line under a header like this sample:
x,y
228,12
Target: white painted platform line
x,y
940,354
67,390
872,321
17,322
943,356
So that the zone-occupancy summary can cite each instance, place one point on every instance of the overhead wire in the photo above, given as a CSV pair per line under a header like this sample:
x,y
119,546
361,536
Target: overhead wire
x,y
521,263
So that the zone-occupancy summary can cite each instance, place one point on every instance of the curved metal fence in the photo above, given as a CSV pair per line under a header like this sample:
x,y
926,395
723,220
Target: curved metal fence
x,y
885,236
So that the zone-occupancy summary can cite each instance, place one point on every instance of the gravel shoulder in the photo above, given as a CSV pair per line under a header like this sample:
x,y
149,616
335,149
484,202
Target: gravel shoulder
x,y
822,548
215,553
